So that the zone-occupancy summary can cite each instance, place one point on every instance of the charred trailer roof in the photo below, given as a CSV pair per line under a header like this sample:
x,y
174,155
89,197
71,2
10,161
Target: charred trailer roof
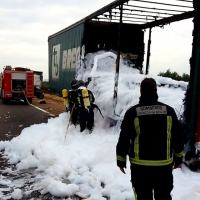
x,y
104,35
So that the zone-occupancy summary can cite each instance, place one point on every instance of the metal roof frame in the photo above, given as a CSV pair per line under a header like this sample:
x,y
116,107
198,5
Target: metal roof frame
x,y
152,13
162,13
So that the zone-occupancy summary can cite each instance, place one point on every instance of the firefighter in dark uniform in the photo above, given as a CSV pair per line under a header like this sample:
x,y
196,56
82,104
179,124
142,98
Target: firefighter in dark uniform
x,y
72,102
151,137
84,116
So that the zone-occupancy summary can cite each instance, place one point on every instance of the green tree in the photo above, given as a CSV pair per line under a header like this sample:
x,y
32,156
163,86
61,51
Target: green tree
x,y
175,76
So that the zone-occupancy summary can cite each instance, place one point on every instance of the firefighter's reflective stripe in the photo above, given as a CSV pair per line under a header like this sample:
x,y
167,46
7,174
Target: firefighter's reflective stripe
x,y
135,194
136,141
79,101
169,127
151,162
90,97
122,159
178,154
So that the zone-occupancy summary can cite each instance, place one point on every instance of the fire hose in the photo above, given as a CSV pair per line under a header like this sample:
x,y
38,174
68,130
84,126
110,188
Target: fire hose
x,y
52,115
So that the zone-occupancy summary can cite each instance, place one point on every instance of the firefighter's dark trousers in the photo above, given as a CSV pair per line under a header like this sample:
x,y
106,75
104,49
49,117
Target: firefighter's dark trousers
x,y
86,119
149,182
74,117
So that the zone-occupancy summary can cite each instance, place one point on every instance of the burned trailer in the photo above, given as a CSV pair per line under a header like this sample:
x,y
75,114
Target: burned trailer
x,y
65,48
120,26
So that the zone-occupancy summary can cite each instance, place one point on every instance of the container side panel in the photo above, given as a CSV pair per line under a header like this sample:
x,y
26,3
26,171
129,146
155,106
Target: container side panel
x,y
64,51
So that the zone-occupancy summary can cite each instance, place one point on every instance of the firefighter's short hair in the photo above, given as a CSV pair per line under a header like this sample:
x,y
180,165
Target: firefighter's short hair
x,y
148,86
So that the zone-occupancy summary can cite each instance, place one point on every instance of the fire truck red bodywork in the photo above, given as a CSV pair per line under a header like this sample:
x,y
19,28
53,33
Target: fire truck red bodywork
x,y
16,83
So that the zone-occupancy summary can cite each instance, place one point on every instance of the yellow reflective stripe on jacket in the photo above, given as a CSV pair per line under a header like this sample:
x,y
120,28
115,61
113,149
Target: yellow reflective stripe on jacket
x,y
178,154
151,162
121,158
136,141
169,126
135,194
79,101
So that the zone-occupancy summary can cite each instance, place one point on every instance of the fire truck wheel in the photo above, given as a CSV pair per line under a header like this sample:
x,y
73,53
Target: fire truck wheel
x,y
5,101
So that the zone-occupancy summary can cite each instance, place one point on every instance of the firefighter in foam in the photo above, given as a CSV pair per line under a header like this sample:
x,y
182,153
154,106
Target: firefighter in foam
x,y
69,98
84,102
151,137
79,101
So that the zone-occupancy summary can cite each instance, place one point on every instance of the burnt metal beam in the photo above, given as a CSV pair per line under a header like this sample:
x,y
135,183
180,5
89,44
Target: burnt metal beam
x,y
118,58
168,20
124,20
102,18
148,52
154,16
185,1
166,4
160,9
145,11
133,17
132,21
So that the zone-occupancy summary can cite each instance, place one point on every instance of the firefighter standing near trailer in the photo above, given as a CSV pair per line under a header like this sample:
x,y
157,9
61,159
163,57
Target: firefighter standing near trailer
x,y
73,101
85,100
80,105
151,136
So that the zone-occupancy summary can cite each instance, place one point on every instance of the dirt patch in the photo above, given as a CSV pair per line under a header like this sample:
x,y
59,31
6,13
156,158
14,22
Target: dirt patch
x,y
55,98
51,103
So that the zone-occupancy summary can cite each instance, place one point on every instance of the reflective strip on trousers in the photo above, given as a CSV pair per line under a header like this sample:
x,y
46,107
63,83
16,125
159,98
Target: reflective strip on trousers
x,y
135,194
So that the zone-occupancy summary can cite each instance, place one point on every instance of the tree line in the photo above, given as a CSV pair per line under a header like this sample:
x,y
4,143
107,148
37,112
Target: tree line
x,y
175,76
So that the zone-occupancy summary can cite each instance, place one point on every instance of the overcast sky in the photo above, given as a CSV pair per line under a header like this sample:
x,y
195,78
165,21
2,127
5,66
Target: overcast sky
x,y
26,25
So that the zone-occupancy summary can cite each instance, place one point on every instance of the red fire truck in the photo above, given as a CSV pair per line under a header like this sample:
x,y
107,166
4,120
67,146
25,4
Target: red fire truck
x,y
17,84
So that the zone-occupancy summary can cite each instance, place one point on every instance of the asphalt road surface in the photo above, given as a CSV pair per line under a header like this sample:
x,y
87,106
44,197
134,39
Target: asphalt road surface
x,y
14,117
